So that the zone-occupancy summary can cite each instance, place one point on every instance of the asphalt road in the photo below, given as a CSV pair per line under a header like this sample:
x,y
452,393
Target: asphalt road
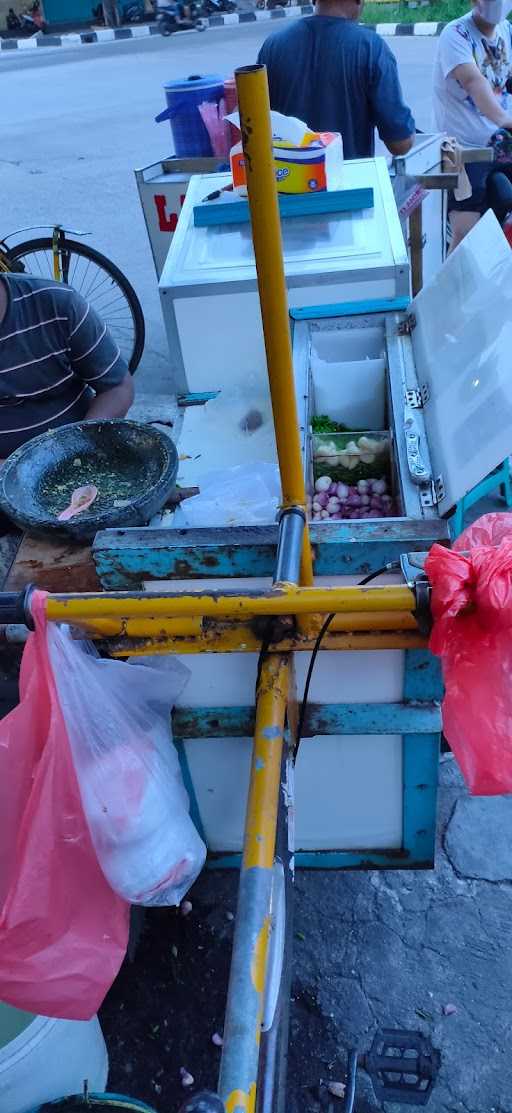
x,y
77,121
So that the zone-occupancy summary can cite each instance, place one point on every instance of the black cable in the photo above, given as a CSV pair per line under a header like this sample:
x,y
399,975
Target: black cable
x,y
350,1091
265,645
323,630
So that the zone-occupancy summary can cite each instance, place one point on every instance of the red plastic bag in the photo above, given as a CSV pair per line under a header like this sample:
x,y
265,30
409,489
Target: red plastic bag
x,y
63,932
472,609
490,529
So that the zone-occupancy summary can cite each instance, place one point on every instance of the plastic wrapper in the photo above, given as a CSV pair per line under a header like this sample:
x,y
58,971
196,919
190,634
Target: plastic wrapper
x,y
118,720
246,495
472,610
63,932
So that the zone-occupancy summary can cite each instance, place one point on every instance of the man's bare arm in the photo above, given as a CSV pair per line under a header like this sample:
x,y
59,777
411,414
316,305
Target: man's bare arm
x,y
475,84
113,403
400,146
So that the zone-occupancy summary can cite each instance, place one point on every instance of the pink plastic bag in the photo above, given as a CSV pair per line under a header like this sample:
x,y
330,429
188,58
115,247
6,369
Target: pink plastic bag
x,y
63,932
472,609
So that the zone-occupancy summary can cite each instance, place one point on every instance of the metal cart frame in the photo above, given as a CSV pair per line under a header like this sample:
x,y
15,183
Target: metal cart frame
x,y
277,622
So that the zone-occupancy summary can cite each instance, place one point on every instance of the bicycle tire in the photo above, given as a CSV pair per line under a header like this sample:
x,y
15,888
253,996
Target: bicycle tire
x,y
45,244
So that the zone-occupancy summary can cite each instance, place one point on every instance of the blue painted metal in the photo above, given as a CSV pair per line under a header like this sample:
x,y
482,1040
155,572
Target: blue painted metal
x,y
320,720
420,769
500,477
350,308
195,814
336,860
213,213
422,680
125,558
197,398
422,677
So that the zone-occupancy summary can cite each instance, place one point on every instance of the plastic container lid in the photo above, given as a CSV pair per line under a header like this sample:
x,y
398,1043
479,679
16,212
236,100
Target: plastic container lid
x,y
195,81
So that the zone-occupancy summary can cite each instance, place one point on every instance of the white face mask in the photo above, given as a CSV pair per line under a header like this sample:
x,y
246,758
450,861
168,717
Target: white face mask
x,y
493,11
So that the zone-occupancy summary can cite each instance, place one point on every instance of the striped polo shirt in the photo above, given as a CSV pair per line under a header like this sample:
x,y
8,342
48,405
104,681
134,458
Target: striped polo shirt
x,y
55,354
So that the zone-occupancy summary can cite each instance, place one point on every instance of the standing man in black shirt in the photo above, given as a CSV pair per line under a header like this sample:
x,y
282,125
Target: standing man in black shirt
x,y
337,75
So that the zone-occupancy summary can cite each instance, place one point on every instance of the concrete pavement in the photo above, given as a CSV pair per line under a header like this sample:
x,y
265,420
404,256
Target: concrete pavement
x,y
77,123
428,951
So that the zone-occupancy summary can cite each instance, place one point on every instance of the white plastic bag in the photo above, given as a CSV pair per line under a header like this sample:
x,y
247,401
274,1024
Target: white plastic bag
x,y
118,719
246,495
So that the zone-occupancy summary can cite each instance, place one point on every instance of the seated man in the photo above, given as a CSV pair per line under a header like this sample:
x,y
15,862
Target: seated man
x,y
471,100
58,363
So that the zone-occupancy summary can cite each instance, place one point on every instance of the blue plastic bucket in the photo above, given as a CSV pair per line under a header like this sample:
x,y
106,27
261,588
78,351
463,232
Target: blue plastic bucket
x,y
191,139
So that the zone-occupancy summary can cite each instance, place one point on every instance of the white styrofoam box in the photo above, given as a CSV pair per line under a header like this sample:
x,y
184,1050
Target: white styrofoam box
x,y
335,344
348,791
351,392
220,769
348,374
221,337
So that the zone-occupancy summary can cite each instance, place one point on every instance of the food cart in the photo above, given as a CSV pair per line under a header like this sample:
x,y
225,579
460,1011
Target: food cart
x,y
334,761
361,786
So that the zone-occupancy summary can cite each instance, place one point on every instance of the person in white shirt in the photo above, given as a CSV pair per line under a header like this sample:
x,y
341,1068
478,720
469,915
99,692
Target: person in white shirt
x,y
471,99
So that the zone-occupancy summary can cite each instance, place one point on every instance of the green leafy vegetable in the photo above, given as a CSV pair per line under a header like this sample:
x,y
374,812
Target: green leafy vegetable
x,y
323,424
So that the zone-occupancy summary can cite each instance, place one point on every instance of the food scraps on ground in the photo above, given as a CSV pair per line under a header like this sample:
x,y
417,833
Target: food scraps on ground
x,y
81,499
370,498
217,1039
337,1089
187,1079
186,907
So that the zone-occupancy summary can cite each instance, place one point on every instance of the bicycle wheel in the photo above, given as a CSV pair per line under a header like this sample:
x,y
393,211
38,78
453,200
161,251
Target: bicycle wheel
x,y
98,280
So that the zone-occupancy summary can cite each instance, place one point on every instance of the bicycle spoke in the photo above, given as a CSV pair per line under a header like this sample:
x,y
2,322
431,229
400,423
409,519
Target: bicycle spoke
x,y
84,277
93,281
106,278
106,307
72,279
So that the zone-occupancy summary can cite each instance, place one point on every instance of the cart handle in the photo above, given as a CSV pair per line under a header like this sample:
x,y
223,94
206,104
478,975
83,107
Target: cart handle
x,y
15,607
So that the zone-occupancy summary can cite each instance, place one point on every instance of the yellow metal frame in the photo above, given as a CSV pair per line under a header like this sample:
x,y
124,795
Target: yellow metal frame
x,y
284,619
254,106
226,622
284,599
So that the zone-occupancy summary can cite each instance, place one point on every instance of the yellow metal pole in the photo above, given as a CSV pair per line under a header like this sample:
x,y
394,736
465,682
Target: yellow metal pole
x,y
190,627
254,107
230,642
281,600
244,1010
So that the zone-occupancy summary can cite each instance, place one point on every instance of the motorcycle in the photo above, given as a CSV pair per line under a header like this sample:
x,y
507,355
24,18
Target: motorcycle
x,y
499,183
30,21
173,15
217,7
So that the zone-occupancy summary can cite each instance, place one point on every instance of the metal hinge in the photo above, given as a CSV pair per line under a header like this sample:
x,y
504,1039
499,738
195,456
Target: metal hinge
x,y
417,398
406,327
434,493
